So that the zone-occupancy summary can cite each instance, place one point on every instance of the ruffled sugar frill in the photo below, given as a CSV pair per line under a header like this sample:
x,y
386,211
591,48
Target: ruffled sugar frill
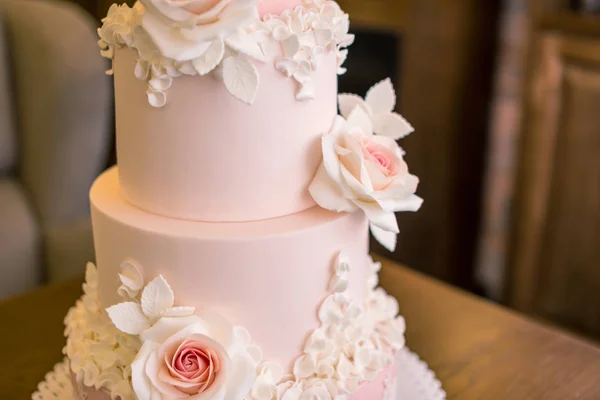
x,y
354,343
304,35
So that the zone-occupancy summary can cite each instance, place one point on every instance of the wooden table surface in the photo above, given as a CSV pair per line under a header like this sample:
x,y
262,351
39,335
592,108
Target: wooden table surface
x,y
477,349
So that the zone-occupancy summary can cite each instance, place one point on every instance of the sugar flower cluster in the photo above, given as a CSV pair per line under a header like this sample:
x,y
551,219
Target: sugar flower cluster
x,y
146,347
224,38
354,343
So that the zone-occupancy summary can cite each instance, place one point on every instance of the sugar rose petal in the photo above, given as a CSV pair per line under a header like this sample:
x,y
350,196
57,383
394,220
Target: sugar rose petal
x,y
184,29
191,358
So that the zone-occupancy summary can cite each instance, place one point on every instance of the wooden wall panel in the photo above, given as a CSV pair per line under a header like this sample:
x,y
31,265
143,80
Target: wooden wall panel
x,y
446,81
557,227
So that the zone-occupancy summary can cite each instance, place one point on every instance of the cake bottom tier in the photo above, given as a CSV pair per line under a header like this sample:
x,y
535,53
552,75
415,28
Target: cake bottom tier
x,y
282,309
132,350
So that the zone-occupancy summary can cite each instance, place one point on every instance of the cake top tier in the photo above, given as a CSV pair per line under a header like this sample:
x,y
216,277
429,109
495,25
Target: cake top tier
x,y
226,38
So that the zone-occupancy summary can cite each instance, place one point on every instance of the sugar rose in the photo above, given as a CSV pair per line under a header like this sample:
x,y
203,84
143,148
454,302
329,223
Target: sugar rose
x,y
364,171
193,358
184,29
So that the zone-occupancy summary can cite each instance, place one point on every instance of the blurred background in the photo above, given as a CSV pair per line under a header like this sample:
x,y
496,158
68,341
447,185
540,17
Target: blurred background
x,y
504,96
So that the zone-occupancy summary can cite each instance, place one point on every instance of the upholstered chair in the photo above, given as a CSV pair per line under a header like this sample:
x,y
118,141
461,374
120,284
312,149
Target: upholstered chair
x,y
55,114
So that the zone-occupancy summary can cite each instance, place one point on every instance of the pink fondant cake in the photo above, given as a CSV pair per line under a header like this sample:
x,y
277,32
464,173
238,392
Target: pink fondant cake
x,y
232,239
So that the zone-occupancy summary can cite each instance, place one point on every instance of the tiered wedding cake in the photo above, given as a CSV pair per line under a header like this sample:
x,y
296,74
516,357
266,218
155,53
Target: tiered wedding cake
x,y
232,239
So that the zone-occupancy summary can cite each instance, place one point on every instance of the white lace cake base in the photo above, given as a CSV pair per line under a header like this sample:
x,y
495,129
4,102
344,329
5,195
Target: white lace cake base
x,y
414,381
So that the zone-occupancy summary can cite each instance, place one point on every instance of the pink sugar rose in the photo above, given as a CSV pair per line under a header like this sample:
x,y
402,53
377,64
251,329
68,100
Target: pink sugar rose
x,y
364,171
194,366
184,29
193,358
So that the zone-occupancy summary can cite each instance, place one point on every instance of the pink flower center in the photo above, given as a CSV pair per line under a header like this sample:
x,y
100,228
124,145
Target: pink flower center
x,y
382,157
194,364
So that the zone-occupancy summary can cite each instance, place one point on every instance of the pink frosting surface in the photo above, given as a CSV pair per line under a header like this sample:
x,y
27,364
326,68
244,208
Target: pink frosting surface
x,y
267,276
376,388
207,156
276,6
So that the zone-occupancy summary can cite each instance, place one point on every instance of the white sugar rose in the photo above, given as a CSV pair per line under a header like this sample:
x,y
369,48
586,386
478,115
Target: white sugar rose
x,y
200,357
364,171
185,29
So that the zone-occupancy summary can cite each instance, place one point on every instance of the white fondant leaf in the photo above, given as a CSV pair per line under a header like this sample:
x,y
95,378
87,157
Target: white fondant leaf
x,y
211,58
241,78
182,311
392,125
347,102
385,238
382,97
157,297
247,45
128,318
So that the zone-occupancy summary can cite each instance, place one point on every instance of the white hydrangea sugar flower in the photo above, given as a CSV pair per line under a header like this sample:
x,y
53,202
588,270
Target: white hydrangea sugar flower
x,y
379,104
364,171
224,38
185,29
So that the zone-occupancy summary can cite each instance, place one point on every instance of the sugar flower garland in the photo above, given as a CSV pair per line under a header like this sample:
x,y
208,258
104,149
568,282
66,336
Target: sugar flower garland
x,y
223,38
354,343
363,166
147,348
